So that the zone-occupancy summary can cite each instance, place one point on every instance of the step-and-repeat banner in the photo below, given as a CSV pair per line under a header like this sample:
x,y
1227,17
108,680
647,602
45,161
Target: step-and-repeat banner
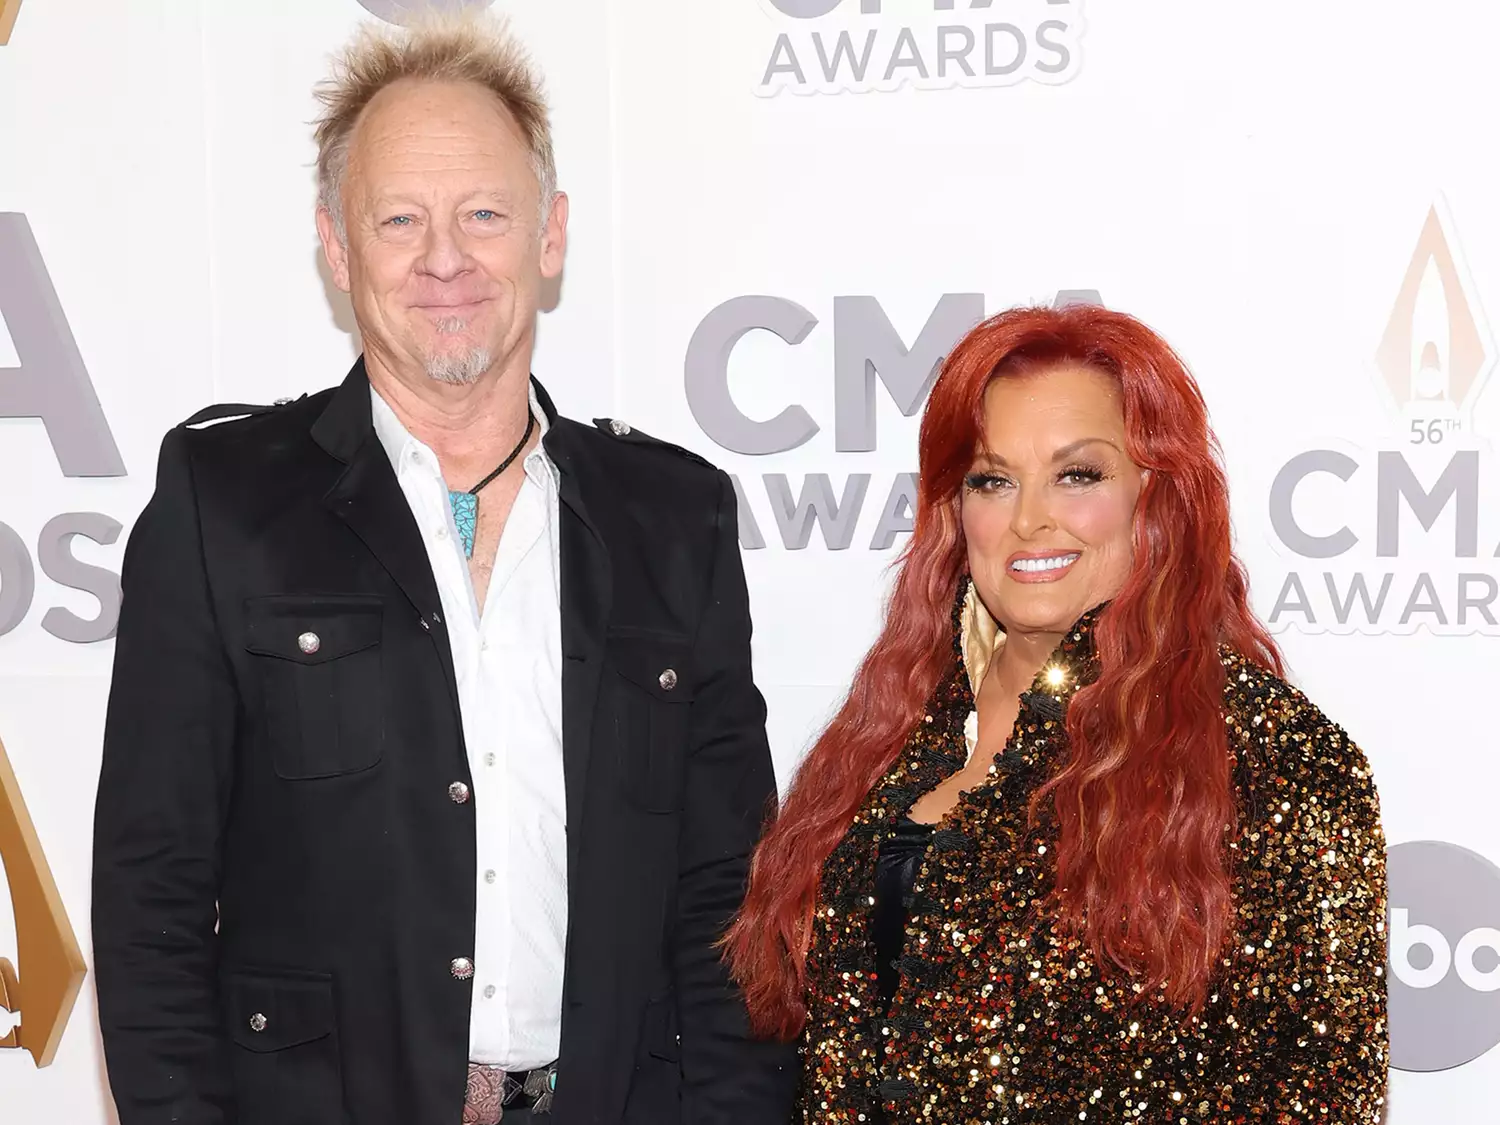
x,y
784,213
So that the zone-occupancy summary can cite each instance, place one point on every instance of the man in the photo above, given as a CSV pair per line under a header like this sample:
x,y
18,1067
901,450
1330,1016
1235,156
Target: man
x,y
433,760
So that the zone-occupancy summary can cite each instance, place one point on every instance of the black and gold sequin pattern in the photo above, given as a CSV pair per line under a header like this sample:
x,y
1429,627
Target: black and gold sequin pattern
x,y
1002,1019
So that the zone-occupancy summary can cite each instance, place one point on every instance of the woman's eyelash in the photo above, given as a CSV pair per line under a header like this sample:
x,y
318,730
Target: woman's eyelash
x,y
1087,472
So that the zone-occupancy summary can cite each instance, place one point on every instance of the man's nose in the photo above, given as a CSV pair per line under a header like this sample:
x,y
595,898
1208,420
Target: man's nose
x,y
443,254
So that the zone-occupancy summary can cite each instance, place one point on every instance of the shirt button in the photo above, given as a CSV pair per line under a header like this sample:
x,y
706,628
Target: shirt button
x,y
489,992
458,793
489,876
442,533
489,759
461,968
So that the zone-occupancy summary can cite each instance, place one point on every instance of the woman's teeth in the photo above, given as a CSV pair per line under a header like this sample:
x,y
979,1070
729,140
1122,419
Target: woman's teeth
x,y
1057,562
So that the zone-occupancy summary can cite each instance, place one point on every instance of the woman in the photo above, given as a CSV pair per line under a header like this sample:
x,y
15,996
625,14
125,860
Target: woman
x,y
1072,850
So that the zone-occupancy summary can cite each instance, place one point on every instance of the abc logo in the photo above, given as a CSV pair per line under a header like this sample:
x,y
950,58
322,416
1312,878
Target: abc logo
x,y
397,11
1444,983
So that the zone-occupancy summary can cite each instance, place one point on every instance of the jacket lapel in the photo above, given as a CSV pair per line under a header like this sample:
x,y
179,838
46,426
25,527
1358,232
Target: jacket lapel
x,y
367,497
586,598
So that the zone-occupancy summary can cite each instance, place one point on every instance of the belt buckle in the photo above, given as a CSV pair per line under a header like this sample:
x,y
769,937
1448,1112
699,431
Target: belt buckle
x,y
484,1101
492,1089
540,1086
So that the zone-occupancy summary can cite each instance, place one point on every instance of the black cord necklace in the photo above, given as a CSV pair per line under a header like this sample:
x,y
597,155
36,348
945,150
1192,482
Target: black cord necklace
x,y
465,505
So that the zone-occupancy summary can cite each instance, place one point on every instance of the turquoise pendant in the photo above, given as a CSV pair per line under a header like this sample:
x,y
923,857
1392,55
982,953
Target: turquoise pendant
x,y
465,507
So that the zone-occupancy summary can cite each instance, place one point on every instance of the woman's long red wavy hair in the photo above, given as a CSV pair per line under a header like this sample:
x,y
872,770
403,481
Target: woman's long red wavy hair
x,y
1143,800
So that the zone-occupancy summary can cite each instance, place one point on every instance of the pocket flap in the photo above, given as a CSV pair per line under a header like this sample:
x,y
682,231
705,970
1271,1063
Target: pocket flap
x,y
271,1010
311,630
656,665
661,1029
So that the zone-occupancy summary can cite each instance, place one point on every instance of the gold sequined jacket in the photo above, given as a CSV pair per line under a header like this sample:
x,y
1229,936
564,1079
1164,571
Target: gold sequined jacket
x,y
1001,1018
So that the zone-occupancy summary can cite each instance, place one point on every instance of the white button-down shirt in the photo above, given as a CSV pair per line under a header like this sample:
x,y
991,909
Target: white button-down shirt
x,y
508,658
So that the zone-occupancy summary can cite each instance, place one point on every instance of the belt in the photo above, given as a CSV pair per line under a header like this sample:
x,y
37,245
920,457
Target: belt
x,y
492,1090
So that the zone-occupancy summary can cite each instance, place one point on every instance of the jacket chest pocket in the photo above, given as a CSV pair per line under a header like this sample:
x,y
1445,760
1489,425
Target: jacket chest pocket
x,y
318,660
285,1057
650,691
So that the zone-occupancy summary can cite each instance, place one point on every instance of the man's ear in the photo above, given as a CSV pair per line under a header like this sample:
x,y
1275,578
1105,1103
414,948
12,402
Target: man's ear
x,y
335,248
555,237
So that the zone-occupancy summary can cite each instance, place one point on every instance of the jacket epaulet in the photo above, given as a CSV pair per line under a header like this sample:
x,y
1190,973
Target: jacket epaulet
x,y
224,411
624,431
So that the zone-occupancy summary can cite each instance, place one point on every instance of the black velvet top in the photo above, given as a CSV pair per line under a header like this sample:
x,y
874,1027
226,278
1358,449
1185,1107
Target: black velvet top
x,y
895,871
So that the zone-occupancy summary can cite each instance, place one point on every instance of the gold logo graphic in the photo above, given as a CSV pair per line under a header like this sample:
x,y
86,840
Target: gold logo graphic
x,y
43,984
9,10
1436,352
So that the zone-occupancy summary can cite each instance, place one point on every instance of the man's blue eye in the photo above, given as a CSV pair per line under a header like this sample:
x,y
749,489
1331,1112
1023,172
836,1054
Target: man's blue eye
x,y
400,220
484,216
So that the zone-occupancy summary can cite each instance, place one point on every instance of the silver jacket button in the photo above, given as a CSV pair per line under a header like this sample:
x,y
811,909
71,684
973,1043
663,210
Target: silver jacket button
x,y
309,643
667,679
458,792
257,1022
619,428
461,968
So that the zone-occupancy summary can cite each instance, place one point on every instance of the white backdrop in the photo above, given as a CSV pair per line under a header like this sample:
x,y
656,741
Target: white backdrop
x,y
1299,197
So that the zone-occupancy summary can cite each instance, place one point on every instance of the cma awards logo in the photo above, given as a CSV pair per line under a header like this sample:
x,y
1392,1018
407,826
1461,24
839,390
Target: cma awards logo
x,y
1404,536
869,353
51,384
37,991
1444,937
865,46
9,10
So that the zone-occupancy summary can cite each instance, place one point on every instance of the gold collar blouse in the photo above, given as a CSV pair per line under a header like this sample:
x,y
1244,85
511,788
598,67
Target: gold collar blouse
x,y
1001,1019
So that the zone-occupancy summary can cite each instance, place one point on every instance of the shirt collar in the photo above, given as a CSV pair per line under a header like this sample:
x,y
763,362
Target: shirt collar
x,y
399,443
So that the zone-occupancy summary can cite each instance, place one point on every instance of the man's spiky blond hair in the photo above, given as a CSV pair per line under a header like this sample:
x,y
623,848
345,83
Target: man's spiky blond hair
x,y
437,48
